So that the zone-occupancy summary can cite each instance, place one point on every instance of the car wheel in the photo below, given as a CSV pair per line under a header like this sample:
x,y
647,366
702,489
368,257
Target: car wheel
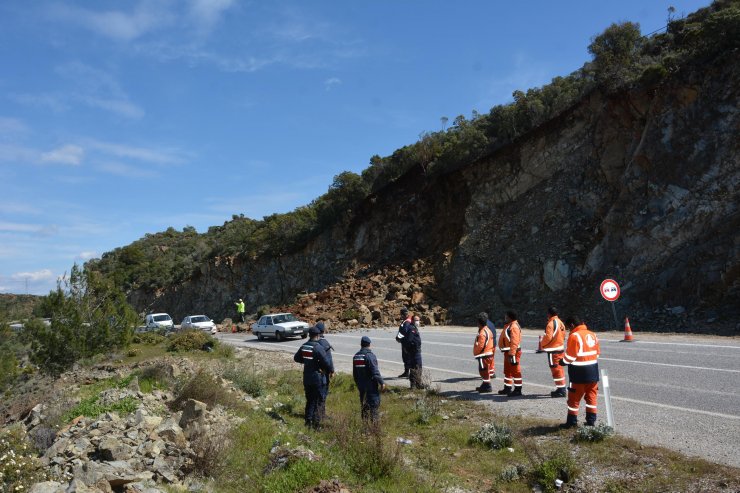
x,y
279,336
260,337
304,335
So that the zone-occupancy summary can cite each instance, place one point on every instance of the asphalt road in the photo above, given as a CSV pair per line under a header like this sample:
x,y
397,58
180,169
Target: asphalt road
x,y
677,391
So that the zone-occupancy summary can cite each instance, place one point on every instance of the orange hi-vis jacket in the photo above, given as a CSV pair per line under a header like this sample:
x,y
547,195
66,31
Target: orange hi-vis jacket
x,y
483,343
510,338
582,355
554,338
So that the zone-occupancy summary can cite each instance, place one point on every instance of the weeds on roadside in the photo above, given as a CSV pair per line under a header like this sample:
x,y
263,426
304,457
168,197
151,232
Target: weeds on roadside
x,y
428,407
560,466
19,465
367,450
209,450
494,436
154,377
203,387
91,408
596,433
191,340
245,379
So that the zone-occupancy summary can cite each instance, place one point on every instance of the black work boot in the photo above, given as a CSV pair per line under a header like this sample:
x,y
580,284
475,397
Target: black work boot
x,y
590,419
505,391
405,374
570,422
484,388
559,392
517,392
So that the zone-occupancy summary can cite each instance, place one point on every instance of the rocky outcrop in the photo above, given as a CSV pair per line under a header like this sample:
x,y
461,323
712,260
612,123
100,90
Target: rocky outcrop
x,y
640,186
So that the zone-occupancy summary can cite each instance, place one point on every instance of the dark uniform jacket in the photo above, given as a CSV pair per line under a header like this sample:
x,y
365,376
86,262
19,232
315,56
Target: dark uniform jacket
x,y
315,363
327,349
365,371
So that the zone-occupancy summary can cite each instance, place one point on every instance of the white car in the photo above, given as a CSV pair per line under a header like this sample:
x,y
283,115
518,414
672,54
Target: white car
x,y
279,326
155,321
200,322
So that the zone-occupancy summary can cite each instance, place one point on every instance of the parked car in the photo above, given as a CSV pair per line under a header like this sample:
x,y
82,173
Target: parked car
x,y
198,322
155,321
279,326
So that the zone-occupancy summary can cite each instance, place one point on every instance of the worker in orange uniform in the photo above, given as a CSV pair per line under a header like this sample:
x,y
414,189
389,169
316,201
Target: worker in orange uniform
x,y
582,358
483,352
509,343
553,344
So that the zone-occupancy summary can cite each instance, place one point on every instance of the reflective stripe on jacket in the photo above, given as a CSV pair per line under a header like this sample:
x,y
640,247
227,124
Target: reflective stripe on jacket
x,y
554,337
483,343
511,338
582,355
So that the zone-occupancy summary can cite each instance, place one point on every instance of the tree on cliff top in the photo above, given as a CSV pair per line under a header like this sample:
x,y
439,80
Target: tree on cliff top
x,y
616,54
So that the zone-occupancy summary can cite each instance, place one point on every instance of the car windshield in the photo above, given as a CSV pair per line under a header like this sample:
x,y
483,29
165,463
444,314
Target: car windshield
x,y
199,318
286,317
161,318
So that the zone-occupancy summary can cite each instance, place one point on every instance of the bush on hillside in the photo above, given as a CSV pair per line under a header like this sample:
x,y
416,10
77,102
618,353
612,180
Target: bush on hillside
x,y
89,316
20,466
191,340
493,436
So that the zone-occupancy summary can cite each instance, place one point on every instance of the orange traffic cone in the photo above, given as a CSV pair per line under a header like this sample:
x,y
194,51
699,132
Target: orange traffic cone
x,y
539,346
627,331
233,329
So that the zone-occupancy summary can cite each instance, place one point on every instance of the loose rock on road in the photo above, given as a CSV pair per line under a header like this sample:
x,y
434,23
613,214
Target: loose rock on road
x,y
676,391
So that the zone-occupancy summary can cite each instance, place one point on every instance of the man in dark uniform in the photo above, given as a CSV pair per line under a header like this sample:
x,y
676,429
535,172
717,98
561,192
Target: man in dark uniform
x,y
368,380
328,348
403,331
315,365
412,342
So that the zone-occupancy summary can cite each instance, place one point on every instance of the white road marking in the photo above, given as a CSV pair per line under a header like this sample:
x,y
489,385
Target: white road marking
x,y
668,364
625,399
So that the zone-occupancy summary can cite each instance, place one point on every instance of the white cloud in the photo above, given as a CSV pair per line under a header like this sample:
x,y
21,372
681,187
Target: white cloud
x,y
87,255
11,207
125,170
207,13
331,82
37,229
39,275
68,154
11,126
146,154
115,24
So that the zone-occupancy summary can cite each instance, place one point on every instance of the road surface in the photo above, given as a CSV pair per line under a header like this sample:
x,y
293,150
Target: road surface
x,y
677,391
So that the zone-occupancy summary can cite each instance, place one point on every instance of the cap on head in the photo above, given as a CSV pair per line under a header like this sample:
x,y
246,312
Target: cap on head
x,y
404,311
314,331
365,341
321,327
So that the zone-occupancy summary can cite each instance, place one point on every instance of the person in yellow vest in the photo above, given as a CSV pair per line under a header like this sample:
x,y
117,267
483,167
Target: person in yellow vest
x,y
553,344
582,359
240,310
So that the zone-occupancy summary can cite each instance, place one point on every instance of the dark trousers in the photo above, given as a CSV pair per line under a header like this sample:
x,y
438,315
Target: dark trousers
x,y
405,358
369,405
314,403
324,396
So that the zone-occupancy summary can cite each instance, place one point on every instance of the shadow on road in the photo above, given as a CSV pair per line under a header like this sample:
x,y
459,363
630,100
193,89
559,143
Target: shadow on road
x,y
473,395
540,430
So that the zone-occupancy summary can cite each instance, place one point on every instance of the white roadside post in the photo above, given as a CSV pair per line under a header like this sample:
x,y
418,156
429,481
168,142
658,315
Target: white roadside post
x,y
607,398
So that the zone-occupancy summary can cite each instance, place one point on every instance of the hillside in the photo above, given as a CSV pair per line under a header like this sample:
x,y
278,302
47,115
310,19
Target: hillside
x,y
17,306
627,168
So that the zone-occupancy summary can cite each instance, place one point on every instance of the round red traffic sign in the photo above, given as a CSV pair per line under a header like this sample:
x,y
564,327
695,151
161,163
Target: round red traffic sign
x,y
609,290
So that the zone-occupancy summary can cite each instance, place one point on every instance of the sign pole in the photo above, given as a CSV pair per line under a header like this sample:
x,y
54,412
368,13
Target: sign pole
x,y
616,321
607,398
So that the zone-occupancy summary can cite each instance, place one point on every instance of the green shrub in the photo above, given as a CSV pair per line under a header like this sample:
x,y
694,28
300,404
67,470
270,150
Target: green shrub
x,y
262,310
511,473
154,377
19,465
225,351
493,436
596,433
191,340
428,407
560,466
350,314
370,453
245,379
91,408
205,388
133,352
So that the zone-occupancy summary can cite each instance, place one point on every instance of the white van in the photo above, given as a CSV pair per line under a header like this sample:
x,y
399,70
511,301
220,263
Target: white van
x,y
156,321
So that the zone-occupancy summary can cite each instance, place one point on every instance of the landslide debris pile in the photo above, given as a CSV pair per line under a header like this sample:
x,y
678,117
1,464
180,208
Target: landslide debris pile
x,y
372,298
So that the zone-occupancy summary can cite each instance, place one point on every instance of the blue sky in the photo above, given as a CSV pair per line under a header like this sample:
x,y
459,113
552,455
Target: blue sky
x,y
119,119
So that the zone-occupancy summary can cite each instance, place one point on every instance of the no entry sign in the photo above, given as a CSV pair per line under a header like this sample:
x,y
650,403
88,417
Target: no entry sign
x,y
609,290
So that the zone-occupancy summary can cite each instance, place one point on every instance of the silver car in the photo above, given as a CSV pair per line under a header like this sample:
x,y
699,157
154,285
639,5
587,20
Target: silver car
x,y
279,326
200,322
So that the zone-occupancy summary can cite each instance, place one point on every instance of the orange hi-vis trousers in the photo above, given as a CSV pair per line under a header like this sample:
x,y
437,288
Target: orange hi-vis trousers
x,y
513,373
558,372
486,368
577,391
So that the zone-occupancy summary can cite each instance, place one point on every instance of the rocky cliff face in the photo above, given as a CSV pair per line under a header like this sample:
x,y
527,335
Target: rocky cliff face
x,y
641,187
